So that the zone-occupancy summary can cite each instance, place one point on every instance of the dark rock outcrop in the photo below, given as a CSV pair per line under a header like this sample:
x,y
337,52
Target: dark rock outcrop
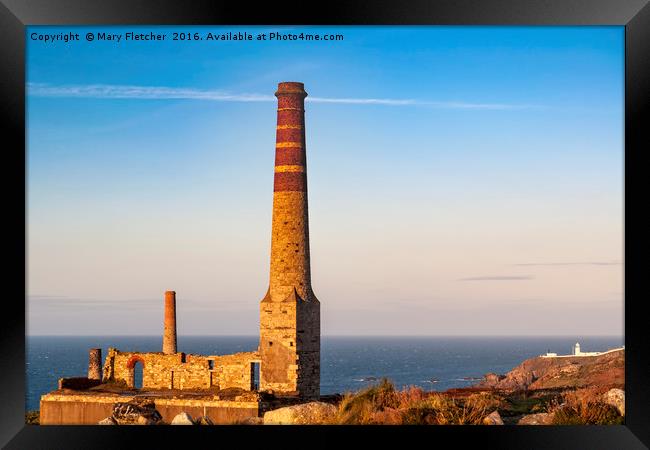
x,y
136,412
203,420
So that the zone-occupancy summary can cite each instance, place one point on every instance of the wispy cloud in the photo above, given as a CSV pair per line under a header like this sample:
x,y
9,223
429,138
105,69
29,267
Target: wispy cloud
x,y
499,278
104,91
64,303
585,263
53,301
140,92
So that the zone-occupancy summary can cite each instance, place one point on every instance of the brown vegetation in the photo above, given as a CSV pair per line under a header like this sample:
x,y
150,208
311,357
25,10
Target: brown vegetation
x,y
584,407
383,404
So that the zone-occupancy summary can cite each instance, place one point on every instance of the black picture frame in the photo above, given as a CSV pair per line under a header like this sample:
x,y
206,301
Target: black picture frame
x,y
15,15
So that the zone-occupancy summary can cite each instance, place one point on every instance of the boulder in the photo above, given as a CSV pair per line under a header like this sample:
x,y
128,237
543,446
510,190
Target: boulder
x,y
303,414
491,379
142,420
536,419
616,398
136,412
251,421
107,421
204,420
183,419
494,418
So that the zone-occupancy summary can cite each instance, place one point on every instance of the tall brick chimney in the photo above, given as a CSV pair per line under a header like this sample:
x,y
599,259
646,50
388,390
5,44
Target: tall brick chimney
x,y
95,364
169,334
290,312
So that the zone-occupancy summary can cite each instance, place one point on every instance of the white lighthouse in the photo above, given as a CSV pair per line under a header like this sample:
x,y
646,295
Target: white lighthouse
x,y
576,349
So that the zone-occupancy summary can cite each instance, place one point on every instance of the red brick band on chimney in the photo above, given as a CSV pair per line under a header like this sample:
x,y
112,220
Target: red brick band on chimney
x,y
291,116
290,138
290,181
289,156
291,100
290,135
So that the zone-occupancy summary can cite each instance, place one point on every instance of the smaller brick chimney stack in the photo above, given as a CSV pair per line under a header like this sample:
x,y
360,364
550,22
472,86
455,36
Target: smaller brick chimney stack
x,y
95,364
169,334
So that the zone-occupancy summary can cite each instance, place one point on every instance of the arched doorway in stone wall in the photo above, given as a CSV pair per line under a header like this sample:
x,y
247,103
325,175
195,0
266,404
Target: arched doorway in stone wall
x,y
135,367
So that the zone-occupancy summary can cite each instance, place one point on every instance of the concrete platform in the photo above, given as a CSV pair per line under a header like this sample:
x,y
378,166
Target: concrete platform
x,y
88,407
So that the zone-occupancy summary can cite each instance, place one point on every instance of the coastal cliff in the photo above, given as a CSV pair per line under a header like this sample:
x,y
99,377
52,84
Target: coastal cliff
x,y
607,370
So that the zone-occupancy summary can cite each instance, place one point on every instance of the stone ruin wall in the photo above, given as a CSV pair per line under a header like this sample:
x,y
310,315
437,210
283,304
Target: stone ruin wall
x,y
279,371
180,370
290,346
74,409
308,347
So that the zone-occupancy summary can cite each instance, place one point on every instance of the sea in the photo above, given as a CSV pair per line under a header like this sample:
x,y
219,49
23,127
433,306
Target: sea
x,y
347,363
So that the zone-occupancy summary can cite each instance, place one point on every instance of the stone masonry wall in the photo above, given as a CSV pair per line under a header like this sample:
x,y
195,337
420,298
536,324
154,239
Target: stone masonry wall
x,y
234,370
67,409
278,371
308,347
181,371
290,346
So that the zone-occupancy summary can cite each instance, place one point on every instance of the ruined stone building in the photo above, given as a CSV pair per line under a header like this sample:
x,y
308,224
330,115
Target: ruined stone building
x,y
288,356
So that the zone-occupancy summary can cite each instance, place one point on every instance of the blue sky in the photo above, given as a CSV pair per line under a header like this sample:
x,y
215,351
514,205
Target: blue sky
x,y
451,170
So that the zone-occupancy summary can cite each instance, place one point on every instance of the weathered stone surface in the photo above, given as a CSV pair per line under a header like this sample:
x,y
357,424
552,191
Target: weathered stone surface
x,y
76,408
494,418
252,421
181,371
536,419
136,412
204,420
142,420
492,378
107,421
304,414
95,364
183,419
616,398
